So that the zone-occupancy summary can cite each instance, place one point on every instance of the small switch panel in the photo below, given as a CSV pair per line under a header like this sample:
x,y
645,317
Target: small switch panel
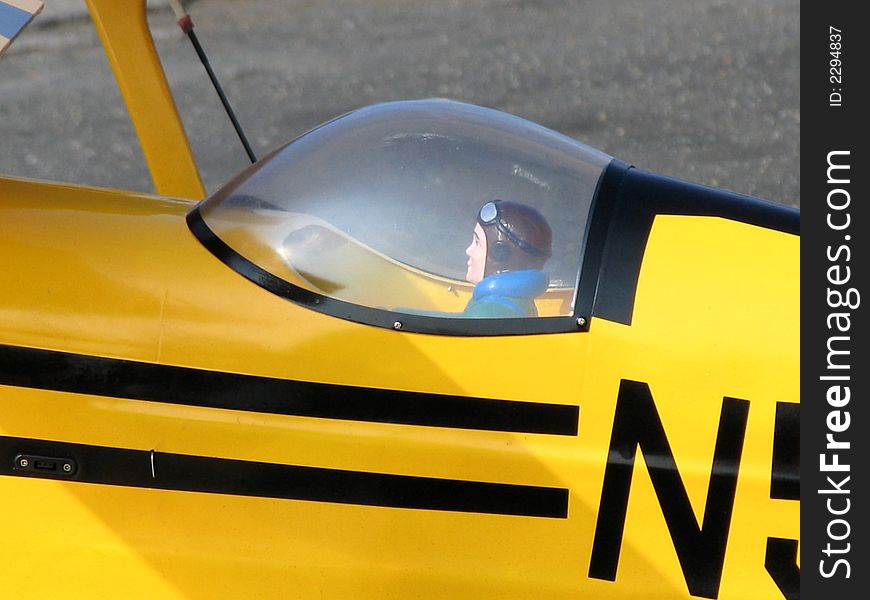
x,y
44,465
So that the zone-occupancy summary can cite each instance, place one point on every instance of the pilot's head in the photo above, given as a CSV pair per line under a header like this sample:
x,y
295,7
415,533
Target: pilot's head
x,y
508,236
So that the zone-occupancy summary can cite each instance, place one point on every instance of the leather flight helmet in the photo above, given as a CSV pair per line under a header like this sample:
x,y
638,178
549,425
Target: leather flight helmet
x,y
518,237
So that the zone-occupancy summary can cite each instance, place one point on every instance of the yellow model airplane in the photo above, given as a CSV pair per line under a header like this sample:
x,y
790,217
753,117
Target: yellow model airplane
x,y
302,388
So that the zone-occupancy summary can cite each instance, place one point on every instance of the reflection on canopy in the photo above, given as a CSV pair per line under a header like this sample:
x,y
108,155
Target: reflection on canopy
x,y
377,207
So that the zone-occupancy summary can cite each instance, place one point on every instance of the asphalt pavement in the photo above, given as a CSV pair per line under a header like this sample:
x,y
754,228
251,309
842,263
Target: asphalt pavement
x,y
705,90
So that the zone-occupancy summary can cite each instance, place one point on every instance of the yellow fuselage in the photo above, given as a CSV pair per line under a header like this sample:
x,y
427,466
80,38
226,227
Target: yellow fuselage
x,y
98,273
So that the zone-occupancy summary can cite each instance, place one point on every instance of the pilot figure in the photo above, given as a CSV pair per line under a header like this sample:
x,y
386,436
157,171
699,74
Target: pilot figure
x,y
510,244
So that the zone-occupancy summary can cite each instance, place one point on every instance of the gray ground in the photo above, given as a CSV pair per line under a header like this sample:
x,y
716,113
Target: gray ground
x,y
706,90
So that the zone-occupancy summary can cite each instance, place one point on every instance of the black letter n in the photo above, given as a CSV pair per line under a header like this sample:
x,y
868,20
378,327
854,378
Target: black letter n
x,y
700,550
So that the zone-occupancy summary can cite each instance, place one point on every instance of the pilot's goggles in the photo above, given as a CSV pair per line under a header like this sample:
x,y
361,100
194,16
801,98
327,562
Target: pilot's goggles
x,y
490,213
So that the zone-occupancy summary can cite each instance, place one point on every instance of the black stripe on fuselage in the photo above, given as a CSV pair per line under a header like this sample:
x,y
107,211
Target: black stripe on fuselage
x,y
77,373
188,473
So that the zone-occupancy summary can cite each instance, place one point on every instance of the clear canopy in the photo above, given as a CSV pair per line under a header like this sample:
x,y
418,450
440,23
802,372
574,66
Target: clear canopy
x,y
378,208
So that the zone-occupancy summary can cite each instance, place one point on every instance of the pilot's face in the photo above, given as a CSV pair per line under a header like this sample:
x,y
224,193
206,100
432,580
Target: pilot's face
x,y
476,252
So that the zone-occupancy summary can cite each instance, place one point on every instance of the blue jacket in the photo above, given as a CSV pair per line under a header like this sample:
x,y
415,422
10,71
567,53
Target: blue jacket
x,y
506,295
